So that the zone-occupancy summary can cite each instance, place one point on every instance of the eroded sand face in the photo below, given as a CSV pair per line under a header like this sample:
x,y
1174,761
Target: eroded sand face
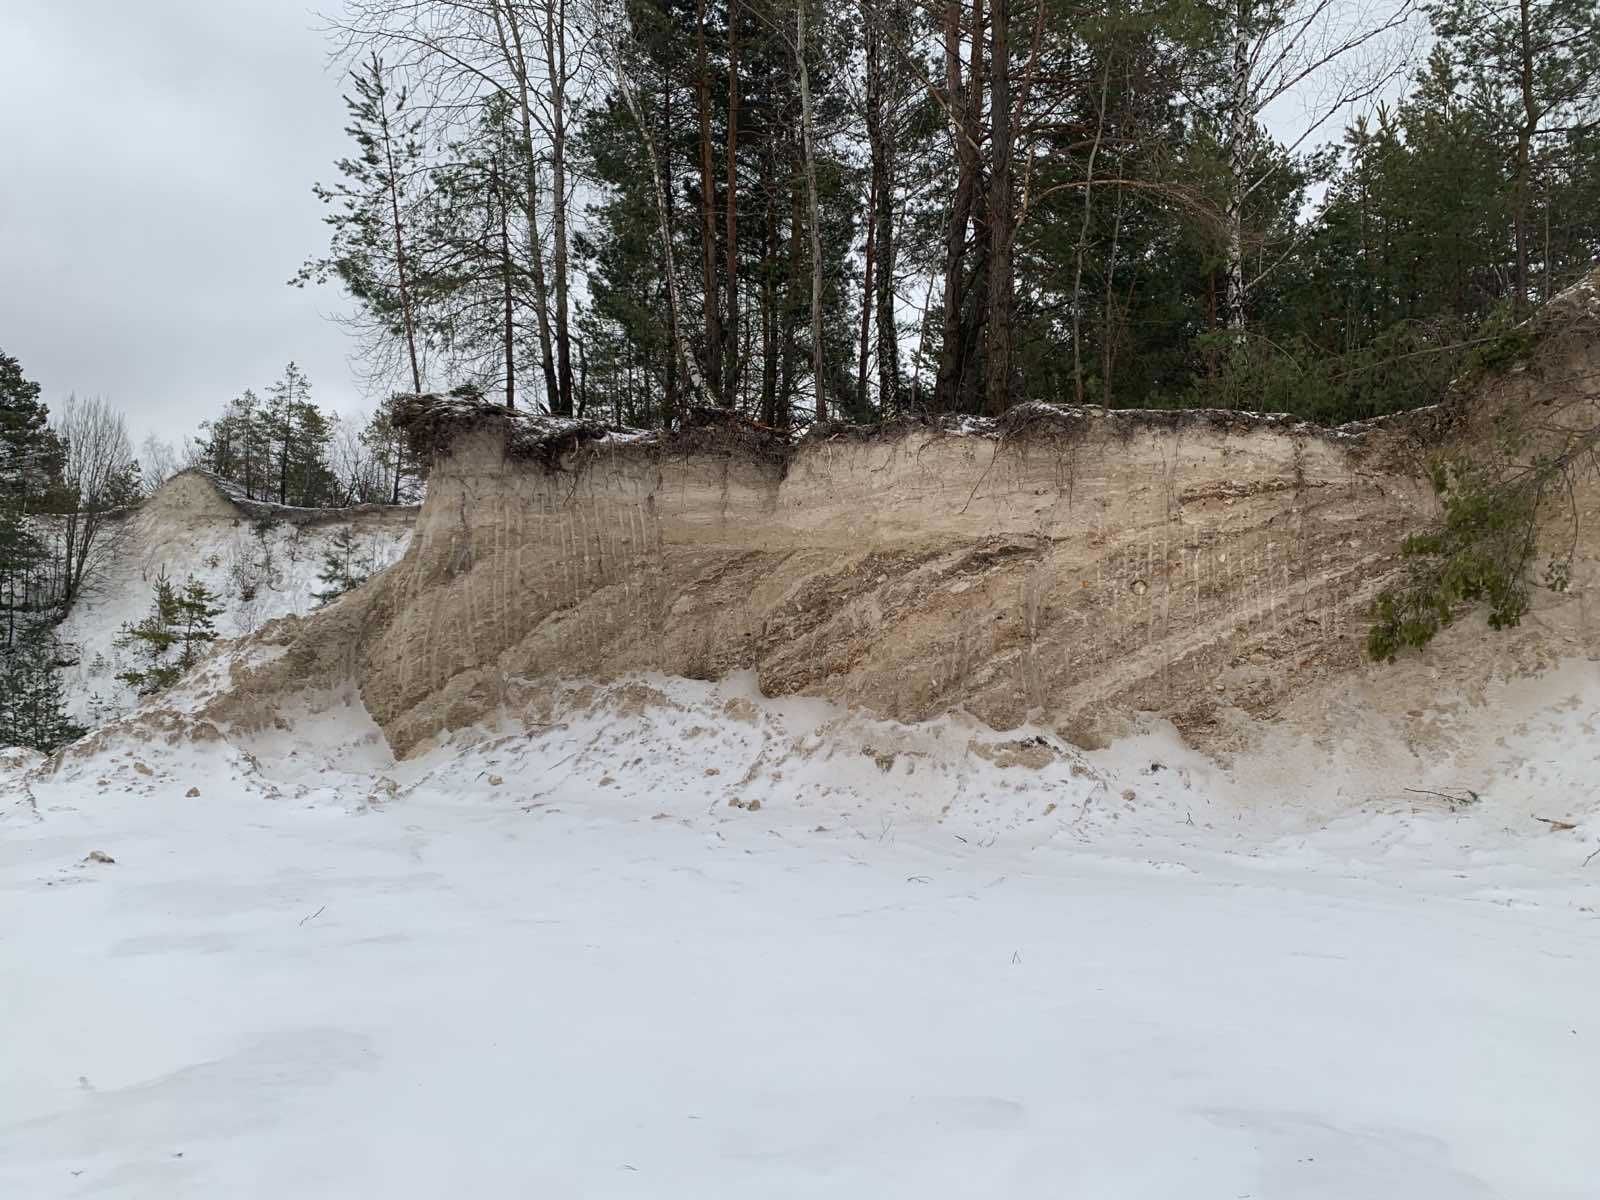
x,y
1073,570
1073,579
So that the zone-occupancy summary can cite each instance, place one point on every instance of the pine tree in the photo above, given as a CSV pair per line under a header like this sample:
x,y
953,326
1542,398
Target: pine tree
x,y
486,291
1538,61
151,639
312,483
236,446
711,92
1080,204
31,460
198,609
23,588
297,435
342,569
180,620
32,706
374,211
30,454
397,464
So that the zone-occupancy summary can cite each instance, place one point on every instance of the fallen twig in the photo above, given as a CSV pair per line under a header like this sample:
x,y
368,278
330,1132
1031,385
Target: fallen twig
x,y
1468,797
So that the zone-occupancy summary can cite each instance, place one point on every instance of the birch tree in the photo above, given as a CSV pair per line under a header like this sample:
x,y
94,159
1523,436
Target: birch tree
x,y
1325,54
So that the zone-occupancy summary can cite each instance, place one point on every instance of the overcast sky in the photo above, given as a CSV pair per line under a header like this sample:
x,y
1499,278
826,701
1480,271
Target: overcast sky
x,y
155,195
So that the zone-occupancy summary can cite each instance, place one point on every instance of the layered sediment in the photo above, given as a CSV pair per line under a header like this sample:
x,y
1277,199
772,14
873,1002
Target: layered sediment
x,y
1070,567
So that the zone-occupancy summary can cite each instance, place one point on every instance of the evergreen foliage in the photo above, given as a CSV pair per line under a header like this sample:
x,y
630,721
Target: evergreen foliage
x,y
31,460
1121,228
31,455
172,637
236,446
25,589
343,568
286,450
370,205
32,707
297,434
1479,552
1484,548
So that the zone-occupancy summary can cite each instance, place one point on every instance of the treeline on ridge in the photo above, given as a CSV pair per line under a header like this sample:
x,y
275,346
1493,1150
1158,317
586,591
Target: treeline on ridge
x,y
807,209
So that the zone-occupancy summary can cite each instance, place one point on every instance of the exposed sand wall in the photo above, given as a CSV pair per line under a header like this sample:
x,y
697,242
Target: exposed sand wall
x,y
1071,568
1072,573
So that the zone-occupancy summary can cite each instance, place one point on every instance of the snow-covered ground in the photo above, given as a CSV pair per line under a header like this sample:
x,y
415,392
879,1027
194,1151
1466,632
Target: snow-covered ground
x,y
559,962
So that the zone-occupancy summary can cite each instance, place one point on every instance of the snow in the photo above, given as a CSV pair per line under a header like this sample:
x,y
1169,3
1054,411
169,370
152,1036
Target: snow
x,y
553,960
228,557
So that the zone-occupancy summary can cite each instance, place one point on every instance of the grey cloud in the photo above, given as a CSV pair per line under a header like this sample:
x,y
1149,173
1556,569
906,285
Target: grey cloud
x,y
157,161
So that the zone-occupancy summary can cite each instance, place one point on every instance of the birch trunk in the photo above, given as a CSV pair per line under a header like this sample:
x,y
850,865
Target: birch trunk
x,y
505,23
1243,122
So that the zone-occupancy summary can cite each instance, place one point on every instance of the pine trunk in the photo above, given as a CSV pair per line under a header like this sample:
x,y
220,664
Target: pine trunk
x,y
733,359
818,377
664,227
998,358
555,35
880,144
708,202
408,324
956,382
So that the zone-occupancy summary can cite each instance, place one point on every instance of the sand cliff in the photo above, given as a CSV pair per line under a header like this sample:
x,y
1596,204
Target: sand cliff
x,y
1069,567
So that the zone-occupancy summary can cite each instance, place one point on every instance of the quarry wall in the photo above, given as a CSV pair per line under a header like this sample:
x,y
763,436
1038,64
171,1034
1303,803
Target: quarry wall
x,y
1069,567
1074,571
